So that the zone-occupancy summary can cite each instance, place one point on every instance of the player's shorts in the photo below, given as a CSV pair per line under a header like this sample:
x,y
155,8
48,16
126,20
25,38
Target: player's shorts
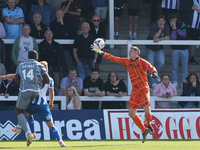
x,y
24,98
138,98
133,12
43,110
193,34
118,12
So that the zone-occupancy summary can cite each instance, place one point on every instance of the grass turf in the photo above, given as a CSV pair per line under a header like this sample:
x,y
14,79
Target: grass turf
x,y
105,145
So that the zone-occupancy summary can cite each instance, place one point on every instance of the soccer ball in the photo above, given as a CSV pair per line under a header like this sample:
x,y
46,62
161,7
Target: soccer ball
x,y
99,43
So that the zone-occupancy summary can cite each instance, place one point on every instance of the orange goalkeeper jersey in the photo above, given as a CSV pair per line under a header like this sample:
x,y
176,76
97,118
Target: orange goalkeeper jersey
x,y
137,70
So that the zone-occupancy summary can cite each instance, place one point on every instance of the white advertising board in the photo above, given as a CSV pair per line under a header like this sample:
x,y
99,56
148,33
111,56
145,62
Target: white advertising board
x,y
167,124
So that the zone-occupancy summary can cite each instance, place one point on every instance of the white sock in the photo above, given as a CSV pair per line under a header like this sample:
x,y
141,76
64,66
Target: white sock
x,y
27,133
117,33
135,33
130,32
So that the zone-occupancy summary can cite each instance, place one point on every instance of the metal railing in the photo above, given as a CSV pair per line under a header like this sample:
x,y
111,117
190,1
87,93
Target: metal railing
x,y
62,99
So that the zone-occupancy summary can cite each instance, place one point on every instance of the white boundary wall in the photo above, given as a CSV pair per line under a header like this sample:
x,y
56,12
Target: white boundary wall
x,y
62,99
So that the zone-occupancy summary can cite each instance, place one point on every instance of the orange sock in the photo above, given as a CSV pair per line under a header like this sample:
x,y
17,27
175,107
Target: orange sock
x,y
139,123
148,118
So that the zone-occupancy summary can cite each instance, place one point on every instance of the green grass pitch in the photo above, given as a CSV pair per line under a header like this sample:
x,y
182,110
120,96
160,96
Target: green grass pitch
x,y
104,145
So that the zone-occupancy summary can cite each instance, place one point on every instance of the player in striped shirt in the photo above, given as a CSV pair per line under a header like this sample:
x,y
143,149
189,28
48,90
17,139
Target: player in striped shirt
x,y
40,105
140,95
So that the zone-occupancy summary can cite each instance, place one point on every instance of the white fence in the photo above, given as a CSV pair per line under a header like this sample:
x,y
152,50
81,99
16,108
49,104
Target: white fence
x,y
62,99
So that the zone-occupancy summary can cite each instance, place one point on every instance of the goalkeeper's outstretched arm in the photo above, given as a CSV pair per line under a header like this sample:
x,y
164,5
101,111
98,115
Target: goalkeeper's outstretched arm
x,y
108,56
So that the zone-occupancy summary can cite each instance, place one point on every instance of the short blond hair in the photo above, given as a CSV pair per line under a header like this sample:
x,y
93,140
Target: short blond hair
x,y
44,63
136,49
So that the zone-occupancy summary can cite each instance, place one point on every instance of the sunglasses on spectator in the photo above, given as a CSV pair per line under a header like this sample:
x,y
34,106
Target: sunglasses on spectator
x,y
96,20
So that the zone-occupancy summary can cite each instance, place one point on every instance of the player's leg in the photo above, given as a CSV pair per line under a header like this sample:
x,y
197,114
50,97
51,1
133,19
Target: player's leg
x,y
55,132
30,120
147,110
24,125
136,99
24,98
21,105
134,104
32,109
138,122
22,120
148,117
45,113
136,119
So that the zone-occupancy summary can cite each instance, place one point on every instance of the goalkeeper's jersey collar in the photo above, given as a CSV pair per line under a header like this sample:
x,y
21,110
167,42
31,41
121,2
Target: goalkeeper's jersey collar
x,y
135,59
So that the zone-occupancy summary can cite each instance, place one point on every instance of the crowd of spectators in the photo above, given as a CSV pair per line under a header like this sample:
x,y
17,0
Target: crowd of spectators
x,y
28,20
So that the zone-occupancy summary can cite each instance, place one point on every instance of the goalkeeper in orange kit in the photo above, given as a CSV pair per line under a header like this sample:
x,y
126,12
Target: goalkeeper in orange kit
x,y
140,95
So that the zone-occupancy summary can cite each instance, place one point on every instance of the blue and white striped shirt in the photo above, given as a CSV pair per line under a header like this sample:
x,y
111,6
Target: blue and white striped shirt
x,y
170,4
41,99
196,16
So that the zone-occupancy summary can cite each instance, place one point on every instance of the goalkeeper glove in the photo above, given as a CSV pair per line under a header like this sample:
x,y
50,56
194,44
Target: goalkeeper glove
x,y
96,49
155,76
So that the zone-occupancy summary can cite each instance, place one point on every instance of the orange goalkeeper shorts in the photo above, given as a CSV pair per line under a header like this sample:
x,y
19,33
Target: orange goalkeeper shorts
x,y
138,98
